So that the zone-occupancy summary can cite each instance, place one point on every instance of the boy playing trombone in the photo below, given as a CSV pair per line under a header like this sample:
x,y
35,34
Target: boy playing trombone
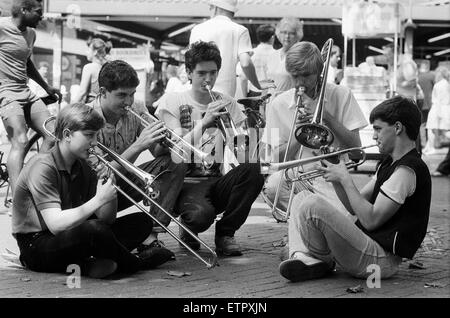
x,y
65,213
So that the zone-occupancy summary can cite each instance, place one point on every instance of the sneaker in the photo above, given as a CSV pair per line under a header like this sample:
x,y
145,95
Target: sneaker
x,y
98,267
156,243
226,245
189,240
153,257
299,269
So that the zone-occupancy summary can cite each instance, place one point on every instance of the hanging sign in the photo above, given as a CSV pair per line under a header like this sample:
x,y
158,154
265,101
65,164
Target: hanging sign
x,y
368,19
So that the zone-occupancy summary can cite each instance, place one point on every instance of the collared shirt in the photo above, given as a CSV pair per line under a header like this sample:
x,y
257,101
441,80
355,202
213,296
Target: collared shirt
x,y
232,39
45,183
125,132
261,58
338,101
276,70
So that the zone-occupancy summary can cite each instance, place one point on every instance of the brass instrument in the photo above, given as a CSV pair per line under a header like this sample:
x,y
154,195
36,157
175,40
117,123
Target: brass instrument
x,y
315,134
227,123
178,146
147,179
268,168
298,115
312,134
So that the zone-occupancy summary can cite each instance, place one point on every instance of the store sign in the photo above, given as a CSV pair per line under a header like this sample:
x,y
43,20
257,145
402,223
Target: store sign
x,y
368,19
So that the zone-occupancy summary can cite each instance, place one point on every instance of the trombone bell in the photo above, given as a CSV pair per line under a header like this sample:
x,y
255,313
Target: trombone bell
x,y
313,135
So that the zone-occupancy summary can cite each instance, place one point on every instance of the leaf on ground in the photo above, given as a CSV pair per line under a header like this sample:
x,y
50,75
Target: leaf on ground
x,y
280,243
355,290
433,285
178,274
416,265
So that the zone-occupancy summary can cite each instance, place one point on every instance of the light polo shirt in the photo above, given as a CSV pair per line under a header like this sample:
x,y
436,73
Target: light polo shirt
x,y
125,132
232,39
261,58
338,101
45,183
276,70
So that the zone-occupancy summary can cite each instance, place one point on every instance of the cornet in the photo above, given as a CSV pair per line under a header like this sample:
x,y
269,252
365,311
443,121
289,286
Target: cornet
x,y
226,123
177,144
268,168
147,178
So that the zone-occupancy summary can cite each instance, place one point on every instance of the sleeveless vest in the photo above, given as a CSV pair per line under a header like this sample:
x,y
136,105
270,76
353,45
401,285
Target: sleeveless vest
x,y
403,233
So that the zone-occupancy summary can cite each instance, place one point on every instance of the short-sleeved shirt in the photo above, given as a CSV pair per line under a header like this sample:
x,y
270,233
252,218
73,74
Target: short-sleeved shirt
x,y
232,39
45,183
125,132
338,101
276,70
187,111
261,58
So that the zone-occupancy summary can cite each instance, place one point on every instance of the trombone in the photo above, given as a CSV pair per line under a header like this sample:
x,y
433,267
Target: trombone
x,y
147,178
313,135
223,124
268,168
179,145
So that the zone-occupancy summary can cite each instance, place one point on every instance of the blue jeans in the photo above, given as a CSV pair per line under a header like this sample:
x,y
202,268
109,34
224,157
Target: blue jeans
x,y
232,194
169,185
45,252
318,229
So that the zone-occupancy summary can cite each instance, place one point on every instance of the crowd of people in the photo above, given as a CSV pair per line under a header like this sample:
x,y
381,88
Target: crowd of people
x,y
65,200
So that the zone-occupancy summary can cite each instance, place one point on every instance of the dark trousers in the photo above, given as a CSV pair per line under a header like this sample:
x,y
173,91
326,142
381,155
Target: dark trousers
x,y
168,183
232,194
444,166
45,252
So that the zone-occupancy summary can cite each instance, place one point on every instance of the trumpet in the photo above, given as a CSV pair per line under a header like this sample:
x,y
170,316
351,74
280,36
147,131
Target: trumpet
x,y
148,179
268,168
177,144
226,124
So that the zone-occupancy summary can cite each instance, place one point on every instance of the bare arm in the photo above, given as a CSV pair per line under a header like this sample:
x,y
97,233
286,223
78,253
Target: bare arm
x,y
249,69
370,215
34,75
86,76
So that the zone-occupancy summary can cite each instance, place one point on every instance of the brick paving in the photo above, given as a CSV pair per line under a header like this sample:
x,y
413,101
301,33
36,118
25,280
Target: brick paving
x,y
253,275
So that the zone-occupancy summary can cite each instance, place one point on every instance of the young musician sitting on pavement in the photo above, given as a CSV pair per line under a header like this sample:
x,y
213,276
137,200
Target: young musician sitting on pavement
x,y
193,114
392,210
126,135
63,215
341,114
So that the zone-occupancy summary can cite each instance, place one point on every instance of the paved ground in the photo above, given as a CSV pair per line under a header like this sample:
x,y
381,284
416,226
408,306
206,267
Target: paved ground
x,y
255,274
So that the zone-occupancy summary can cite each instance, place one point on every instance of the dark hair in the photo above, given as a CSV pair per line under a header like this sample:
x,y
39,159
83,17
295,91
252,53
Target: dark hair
x,y
117,74
26,4
76,117
200,52
401,109
264,33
